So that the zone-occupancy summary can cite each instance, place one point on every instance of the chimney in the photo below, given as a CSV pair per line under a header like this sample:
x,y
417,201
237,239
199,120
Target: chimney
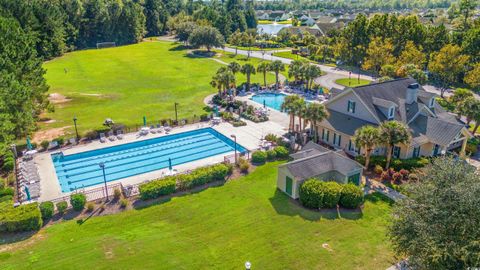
x,y
412,93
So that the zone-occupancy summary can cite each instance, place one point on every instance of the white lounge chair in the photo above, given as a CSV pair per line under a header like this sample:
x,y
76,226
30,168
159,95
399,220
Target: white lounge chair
x,y
111,137
159,129
120,134
152,129
102,138
167,128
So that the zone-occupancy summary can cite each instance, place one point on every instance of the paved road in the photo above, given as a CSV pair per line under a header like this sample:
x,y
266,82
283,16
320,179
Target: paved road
x,y
327,80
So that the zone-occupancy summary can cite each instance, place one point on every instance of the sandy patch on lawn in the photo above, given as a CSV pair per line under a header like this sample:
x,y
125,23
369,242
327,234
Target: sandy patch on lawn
x,y
48,135
57,98
17,241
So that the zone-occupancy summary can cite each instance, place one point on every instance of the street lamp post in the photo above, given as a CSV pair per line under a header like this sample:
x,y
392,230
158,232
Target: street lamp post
x,y
75,124
235,139
359,69
102,165
176,113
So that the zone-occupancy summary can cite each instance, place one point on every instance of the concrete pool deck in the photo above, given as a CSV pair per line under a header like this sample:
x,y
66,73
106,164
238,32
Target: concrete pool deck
x,y
248,136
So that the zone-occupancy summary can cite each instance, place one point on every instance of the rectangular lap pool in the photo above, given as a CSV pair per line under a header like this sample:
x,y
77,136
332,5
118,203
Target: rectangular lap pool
x,y
130,159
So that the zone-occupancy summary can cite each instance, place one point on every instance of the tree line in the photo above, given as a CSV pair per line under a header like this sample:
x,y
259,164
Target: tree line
x,y
37,30
64,25
392,45
349,4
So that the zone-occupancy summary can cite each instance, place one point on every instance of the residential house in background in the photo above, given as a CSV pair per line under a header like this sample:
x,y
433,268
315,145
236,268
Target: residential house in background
x,y
315,161
434,131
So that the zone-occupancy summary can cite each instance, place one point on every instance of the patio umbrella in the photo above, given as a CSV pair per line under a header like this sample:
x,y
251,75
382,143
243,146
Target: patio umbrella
x,y
144,121
215,109
29,144
27,192
170,164
264,106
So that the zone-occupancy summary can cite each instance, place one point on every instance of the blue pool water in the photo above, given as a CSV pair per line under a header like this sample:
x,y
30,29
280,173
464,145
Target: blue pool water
x,y
272,100
121,161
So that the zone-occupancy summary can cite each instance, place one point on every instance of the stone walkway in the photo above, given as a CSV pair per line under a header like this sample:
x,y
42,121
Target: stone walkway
x,y
372,186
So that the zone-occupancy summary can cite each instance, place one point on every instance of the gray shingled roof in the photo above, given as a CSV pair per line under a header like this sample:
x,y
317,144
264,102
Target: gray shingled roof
x,y
440,129
383,102
310,149
437,130
343,122
322,163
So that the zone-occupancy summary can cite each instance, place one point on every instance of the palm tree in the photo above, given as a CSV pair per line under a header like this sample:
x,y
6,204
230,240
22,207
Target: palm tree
x,y
264,67
366,137
248,69
289,106
277,66
295,69
316,113
468,108
392,133
234,67
311,72
301,112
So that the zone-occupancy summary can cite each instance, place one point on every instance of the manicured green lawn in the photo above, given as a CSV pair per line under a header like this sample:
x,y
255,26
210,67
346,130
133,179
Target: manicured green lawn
x,y
290,55
353,82
128,82
219,228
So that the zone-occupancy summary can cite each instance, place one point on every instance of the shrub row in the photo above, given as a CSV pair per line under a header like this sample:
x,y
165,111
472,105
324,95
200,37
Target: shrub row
x,y
47,209
18,219
170,184
396,164
8,162
260,157
157,188
318,194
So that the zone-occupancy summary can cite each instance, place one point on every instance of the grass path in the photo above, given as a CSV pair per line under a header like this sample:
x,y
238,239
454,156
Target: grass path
x,y
128,82
219,228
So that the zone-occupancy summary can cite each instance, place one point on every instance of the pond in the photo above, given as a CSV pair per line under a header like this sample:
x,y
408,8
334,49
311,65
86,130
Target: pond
x,y
271,29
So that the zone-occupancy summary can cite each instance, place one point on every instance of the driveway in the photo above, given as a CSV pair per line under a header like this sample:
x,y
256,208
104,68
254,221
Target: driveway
x,y
327,80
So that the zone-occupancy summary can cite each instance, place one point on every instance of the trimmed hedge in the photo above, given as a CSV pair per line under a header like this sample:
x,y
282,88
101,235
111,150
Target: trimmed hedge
x,y
316,194
331,195
8,191
271,155
202,176
170,184
23,218
259,157
78,201
282,152
46,209
397,164
311,193
61,207
351,197
157,188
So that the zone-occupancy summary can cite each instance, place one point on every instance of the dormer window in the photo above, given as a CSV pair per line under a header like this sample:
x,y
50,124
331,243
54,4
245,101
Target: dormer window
x,y
431,103
351,106
391,112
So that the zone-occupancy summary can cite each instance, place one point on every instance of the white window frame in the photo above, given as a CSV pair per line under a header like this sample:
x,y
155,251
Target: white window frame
x,y
391,113
351,106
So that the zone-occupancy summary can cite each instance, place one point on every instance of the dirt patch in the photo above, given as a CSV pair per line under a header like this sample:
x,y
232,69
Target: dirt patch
x,y
57,98
15,241
327,247
50,134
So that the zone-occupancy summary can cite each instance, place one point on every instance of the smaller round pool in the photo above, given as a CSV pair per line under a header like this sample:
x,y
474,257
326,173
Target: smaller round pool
x,y
271,100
